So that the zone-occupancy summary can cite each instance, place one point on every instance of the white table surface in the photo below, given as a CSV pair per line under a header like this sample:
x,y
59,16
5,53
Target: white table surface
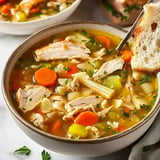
x,y
11,136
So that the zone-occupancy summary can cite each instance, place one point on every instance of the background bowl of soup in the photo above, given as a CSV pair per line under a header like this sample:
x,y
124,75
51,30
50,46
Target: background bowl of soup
x,y
61,94
27,17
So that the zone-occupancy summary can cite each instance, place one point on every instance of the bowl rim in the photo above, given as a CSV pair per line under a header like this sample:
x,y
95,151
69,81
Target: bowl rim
x,y
16,115
74,4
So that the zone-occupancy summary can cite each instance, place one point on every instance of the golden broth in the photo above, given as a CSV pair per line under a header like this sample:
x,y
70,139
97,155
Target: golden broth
x,y
76,107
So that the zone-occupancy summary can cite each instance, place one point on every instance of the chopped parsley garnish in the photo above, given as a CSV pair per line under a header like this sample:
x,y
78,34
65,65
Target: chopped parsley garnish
x,y
111,9
45,155
91,72
147,107
126,114
66,69
145,79
108,128
154,99
23,150
132,7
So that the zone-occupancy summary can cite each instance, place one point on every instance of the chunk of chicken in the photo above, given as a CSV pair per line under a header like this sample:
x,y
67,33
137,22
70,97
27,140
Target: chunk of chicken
x,y
26,5
78,110
108,68
102,113
31,96
100,89
82,102
62,50
37,119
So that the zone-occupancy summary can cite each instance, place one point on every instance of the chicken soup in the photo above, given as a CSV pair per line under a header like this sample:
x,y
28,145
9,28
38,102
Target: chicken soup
x,y
27,10
74,85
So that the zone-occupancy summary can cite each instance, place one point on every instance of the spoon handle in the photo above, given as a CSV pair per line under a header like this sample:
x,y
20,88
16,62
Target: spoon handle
x,y
129,33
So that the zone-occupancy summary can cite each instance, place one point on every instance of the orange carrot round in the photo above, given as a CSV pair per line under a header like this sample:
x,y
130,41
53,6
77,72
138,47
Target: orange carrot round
x,y
104,40
126,55
45,77
87,118
6,9
70,70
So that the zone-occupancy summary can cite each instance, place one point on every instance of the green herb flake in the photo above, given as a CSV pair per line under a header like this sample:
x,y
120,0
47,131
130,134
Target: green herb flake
x,y
91,72
115,132
129,8
23,150
45,155
98,106
145,79
66,69
126,114
134,111
154,99
108,128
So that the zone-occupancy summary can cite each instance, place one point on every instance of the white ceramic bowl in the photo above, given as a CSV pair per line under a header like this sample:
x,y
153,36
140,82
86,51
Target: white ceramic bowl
x,y
29,27
85,148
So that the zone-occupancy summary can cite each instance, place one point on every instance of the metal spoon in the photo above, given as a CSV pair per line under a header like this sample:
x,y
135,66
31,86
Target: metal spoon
x,y
130,32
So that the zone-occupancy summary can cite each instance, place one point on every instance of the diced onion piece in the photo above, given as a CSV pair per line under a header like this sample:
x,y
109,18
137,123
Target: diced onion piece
x,y
147,88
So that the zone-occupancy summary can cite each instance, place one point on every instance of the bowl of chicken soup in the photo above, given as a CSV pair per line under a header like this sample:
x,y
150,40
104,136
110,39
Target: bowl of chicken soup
x,y
71,92
26,17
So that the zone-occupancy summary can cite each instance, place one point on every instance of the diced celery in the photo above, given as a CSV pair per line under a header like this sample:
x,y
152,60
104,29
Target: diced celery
x,y
101,125
96,64
113,82
77,130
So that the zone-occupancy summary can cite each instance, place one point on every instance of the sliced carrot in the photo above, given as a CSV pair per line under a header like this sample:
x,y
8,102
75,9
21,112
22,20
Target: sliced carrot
x,y
104,40
126,55
126,109
6,9
56,125
87,118
120,128
70,70
45,77
35,10
3,1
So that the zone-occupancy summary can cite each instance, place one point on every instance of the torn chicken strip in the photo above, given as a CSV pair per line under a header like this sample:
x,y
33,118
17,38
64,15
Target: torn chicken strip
x,y
100,89
62,50
100,53
27,5
102,113
108,68
37,119
78,110
82,102
31,96
74,85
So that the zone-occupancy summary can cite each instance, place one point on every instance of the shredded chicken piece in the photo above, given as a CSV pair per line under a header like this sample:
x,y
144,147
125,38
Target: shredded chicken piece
x,y
108,68
62,50
94,131
81,102
31,96
102,113
100,89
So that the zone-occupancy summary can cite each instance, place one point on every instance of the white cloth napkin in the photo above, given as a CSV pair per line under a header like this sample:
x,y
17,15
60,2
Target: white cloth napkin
x,y
152,136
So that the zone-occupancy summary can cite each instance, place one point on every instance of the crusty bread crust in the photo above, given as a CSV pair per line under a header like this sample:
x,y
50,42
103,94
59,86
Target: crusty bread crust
x,y
146,42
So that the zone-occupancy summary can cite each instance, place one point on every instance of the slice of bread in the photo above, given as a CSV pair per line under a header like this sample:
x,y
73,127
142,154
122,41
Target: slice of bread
x,y
146,41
